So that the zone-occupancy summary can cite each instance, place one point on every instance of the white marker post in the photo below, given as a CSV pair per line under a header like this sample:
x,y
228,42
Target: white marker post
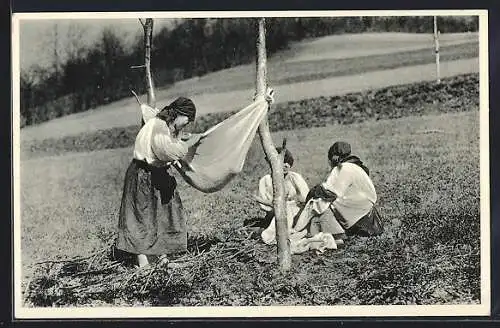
x,y
436,44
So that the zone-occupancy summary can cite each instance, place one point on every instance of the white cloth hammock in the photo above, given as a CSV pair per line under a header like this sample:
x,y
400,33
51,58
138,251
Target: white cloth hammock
x,y
221,153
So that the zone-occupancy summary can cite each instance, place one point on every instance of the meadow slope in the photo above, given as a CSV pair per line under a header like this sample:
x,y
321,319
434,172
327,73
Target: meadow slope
x,y
295,75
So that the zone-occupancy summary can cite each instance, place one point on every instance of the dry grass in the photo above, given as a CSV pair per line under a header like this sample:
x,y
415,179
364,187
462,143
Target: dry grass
x,y
429,194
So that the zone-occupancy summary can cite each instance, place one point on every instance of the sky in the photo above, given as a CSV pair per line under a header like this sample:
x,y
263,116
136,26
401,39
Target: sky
x,y
37,37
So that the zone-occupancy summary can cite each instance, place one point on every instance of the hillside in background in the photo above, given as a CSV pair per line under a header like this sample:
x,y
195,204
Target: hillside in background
x,y
101,74
294,74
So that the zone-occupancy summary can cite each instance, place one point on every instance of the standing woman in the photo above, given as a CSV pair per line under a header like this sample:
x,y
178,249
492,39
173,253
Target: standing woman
x,y
151,219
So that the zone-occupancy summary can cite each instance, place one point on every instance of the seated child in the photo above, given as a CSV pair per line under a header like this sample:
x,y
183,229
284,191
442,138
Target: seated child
x,y
296,190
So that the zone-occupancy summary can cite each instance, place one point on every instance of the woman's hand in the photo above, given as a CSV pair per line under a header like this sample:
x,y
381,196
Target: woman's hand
x,y
262,201
194,139
270,95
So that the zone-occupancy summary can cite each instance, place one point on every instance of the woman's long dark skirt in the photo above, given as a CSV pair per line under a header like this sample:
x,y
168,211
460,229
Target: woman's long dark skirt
x,y
151,220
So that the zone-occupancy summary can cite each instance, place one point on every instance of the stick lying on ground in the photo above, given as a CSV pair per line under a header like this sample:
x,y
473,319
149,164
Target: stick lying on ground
x,y
70,282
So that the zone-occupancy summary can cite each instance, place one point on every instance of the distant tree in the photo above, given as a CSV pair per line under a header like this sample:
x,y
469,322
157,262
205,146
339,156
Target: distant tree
x,y
27,98
75,48
55,46
113,71
367,23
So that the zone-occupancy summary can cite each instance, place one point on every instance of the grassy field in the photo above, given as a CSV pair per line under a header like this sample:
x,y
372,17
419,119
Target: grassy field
x,y
420,141
294,77
429,195
292,71
367,44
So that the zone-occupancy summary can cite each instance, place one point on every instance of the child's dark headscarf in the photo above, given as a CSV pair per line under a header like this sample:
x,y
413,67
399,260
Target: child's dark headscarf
x,y
288,156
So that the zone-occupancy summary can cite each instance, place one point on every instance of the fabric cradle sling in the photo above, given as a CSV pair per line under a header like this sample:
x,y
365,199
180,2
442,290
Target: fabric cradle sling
x,y
221,153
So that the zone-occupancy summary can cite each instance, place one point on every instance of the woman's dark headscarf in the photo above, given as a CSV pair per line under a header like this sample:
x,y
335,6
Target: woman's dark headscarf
x,y
180,106
343,150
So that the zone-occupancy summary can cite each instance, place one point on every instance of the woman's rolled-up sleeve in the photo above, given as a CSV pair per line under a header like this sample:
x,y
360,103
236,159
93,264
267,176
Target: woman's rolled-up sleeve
x,y
148,112
168,149
337,182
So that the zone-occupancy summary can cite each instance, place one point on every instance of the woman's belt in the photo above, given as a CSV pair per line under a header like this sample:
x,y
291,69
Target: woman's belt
x,y
148,167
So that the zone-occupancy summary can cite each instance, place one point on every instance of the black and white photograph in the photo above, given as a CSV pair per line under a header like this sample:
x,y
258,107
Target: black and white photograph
x,y
251,164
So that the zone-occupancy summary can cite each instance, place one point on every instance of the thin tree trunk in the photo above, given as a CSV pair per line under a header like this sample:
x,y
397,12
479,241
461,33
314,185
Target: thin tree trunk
x,y
148,37
276,160
436,49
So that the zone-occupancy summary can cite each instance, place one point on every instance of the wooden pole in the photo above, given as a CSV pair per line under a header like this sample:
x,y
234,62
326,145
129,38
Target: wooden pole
x,y
275,159
148,37
436,45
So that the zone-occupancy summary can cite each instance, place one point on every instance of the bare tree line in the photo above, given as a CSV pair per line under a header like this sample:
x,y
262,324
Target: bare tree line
x,y
94,75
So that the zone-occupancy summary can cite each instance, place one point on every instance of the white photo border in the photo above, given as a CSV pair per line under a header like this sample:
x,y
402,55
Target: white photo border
x,y
482,309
